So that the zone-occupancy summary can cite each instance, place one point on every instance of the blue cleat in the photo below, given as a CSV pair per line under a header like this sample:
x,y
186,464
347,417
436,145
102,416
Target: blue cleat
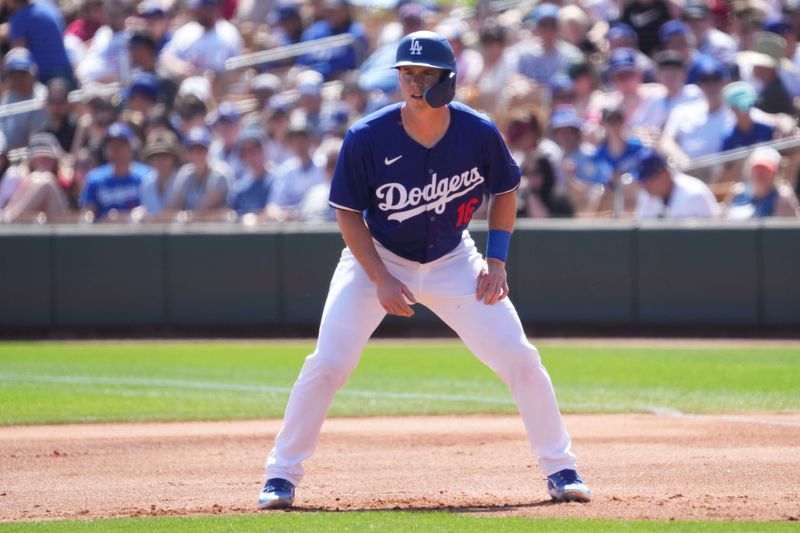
x,y
276,494
567,486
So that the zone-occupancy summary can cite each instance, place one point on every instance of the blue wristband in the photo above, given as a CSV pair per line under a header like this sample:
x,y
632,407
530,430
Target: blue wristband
x,y
497,244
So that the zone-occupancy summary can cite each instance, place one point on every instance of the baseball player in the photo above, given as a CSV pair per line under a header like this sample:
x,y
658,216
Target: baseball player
x,y
408,179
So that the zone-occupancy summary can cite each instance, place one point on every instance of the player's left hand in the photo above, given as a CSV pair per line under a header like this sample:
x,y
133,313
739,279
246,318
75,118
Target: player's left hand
x,y
492,282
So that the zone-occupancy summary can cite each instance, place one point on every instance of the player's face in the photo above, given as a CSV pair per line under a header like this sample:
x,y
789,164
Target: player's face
x,y
415,80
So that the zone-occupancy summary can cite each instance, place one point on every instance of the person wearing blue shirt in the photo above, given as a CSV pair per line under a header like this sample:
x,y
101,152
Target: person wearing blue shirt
x,y
406,185
39,27
252,195
331,62
619,153
741,98
117,184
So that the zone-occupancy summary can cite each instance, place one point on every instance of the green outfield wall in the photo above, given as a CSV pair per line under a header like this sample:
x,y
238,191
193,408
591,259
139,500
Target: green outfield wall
x,y
571,273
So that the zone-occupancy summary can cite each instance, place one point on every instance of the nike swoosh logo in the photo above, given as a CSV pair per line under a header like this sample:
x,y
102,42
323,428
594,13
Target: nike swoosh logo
x,y
391,161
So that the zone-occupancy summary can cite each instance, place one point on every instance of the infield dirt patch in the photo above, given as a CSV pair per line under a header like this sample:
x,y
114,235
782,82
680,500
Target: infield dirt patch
x,y
638,466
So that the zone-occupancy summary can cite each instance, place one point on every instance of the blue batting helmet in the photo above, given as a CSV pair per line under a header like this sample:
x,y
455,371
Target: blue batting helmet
x,y
429,49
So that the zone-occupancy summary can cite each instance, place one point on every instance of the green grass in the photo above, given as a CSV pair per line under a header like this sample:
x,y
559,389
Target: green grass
x,y
81,382
393,522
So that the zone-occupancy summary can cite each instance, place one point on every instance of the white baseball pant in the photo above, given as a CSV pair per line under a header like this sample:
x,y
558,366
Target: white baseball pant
x,y
447,287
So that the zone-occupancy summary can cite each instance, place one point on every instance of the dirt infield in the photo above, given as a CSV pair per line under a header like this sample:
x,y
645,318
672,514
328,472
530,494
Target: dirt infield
x,y
639,466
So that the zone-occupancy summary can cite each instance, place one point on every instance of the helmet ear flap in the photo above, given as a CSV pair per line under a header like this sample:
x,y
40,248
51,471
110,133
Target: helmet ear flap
x,y
443,92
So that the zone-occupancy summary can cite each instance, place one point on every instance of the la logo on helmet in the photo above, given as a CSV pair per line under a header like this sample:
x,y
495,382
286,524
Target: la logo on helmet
x,y
416,48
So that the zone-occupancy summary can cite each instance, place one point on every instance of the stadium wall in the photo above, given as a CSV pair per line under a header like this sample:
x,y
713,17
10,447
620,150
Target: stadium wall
x,y
576,273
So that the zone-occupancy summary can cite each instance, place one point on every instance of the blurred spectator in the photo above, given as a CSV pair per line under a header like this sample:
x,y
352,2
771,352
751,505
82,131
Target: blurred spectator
x,y
39,26
115,185
574,25
294,177
309,85
546,55
671,74
191,112
93,124
619,152
789,68
156,23
107,59
314,207
741,98
263,87
698,128
538,193
629,93
620,35
254,190
60,120
204,43
162,153
525,138
376,72
678,37
144,59
585,82
90,18
201,185
765,64
286,23
762,195
646,17
225,124
337,20
19,75
497,66
142,94
38,188
665,193
710,41
562,91
469,62
276,121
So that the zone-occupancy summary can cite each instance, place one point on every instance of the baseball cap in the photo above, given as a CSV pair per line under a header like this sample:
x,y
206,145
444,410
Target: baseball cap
x,y
695,10
544,11
151,8
265,82
145,84
411,11
765,157
197,136
672,28
740,95
621,59
565,117
226,112
309,83
708,68
43,144
670,58
19,60
650,162
195,4
161,142
620,30
251,133
283,12
120,130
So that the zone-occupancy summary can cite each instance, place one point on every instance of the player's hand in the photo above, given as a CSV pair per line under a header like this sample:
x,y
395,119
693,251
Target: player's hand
x,y
492,282
394,296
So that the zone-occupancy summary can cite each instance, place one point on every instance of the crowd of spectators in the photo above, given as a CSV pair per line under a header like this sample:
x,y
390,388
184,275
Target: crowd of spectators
x,y
144,111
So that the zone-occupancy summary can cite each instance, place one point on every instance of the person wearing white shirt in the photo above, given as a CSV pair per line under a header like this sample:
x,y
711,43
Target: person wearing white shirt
x,y
202,44
664,193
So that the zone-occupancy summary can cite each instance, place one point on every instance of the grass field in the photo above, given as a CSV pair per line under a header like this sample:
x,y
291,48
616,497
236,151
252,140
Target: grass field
x,y
144,381
388,522
83,382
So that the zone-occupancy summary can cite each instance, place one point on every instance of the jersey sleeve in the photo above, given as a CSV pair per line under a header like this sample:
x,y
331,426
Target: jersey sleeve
x,y
18,26
89,194
503,173
350,186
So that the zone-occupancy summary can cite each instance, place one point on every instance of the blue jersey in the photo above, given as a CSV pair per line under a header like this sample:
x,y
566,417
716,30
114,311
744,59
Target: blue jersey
x,y
737,138
418,201
626,161
42,27
107,192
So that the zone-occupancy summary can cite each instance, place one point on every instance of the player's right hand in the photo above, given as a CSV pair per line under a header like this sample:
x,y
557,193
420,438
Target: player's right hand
x,y
395,297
